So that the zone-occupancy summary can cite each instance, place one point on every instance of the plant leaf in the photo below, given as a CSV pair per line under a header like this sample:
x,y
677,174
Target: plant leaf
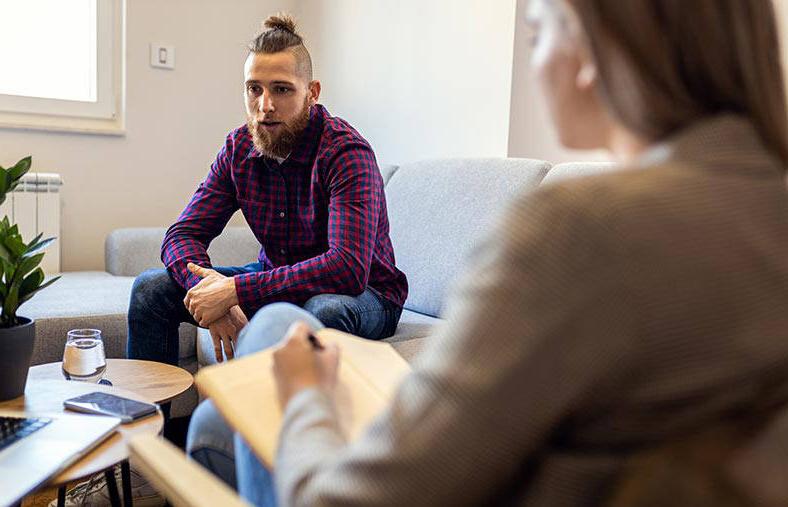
x,y
10,183
8,269
4,253
31,249
30,294
35,240
11,303
20,168
14,244
31,283
27,265
3,183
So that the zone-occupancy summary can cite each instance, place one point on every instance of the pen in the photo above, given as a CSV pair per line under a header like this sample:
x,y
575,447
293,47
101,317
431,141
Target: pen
x,y
315,344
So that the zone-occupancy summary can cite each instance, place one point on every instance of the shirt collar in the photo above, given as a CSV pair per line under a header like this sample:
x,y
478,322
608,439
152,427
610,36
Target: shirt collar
x,y
307,141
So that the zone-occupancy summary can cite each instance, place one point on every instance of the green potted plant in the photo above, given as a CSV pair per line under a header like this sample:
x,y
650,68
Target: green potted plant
x,y
20,279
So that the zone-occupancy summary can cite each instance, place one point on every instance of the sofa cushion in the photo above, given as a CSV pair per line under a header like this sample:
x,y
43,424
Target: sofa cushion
x,y
387,171
87,299
439,209
412,333
129,252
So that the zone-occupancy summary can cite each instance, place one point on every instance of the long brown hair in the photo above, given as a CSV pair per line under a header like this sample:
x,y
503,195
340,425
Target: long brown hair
x,y
664,64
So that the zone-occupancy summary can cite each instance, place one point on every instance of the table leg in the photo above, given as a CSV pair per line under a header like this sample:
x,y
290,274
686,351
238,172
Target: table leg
x,y
112,487
125,481
61,496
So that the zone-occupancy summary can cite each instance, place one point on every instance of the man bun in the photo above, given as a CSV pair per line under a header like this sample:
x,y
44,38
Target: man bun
x,y
281,21
279,34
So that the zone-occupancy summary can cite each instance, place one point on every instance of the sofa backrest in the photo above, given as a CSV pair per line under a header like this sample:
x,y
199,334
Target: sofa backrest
x,y
129,252
565,171
439,210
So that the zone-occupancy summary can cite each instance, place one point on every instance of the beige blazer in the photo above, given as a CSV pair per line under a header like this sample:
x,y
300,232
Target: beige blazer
x,y
603,316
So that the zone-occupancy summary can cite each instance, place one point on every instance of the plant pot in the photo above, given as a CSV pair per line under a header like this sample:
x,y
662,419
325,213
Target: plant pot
x,y
16,349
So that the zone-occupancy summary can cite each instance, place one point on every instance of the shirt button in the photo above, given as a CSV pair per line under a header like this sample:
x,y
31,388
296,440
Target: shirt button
x,y
282,251
281,214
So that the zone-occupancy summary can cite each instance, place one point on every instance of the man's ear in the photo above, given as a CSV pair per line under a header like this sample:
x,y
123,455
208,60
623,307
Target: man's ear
x,y
314,92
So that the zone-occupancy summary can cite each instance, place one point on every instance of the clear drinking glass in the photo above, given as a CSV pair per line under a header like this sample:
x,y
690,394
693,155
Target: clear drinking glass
x,y
83,357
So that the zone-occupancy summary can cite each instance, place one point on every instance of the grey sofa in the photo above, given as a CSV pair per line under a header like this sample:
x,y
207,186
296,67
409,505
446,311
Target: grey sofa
x,y
438,209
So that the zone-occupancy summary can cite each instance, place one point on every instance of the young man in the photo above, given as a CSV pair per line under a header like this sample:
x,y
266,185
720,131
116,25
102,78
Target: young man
x,y
310,189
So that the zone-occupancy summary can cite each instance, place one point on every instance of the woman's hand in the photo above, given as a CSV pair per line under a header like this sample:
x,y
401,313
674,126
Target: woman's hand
x,y
299,365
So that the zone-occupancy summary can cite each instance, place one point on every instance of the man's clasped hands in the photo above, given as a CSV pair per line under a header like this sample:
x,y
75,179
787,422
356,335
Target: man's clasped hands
x,y
213,303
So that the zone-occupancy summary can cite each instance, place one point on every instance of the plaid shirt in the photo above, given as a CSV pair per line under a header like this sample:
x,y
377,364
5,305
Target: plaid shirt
x,y
320,217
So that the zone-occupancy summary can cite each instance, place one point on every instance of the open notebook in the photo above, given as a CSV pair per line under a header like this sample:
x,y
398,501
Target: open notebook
x,y
244,390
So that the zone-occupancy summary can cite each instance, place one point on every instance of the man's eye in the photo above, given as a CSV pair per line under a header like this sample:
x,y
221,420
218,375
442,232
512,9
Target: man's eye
x,y
282,89
254,89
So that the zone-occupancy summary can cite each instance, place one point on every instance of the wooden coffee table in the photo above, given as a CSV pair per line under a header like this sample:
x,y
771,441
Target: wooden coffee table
x,y
140,380
155,382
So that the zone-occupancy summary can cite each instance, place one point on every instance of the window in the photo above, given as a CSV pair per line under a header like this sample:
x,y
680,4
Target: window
x,y
61,65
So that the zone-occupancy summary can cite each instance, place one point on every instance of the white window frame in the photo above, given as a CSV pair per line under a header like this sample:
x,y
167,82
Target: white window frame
x,y
107,114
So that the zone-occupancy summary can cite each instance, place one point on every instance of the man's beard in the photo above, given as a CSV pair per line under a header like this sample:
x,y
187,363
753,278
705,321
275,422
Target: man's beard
x,y
279,145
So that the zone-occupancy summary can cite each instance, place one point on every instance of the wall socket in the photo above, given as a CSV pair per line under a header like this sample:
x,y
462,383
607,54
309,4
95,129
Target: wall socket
x,y
162,57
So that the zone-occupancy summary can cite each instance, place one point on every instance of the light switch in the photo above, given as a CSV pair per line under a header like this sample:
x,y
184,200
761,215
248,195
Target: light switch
x,y
162,57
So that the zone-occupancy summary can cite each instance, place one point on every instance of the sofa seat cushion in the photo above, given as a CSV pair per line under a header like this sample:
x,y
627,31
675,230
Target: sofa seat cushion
x,y
412,333
86,299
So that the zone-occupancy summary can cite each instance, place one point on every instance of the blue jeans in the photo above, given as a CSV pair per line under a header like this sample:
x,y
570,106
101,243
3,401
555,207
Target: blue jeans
x,y
213,444
156,311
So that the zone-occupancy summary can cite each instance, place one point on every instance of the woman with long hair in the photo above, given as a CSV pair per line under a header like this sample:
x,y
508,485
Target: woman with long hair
x,y
604,316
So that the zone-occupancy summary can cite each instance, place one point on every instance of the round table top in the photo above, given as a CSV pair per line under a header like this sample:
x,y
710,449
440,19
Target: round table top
x,y
45,397
155,382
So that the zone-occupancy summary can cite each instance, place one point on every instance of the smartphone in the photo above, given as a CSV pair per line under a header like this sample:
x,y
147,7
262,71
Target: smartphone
x,y
109,404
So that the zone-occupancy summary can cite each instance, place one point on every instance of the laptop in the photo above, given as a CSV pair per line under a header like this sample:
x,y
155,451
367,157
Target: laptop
x,y
33,449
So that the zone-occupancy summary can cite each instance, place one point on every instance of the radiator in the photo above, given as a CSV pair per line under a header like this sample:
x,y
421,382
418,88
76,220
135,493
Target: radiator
x,y
35,207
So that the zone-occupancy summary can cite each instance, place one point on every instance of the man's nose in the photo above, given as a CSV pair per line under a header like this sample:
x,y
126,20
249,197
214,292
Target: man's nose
x,y
266,103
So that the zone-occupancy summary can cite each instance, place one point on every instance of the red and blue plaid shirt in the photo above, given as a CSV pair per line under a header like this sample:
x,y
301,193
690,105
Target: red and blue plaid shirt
x,y
320,217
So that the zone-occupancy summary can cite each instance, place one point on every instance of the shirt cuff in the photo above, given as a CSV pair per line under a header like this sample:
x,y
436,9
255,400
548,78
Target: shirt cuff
x,y
185,278
191,279
246,290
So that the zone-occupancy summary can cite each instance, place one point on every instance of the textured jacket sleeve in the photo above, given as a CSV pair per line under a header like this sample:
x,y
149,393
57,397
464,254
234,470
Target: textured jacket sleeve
x,y
355,201
521,350
204,218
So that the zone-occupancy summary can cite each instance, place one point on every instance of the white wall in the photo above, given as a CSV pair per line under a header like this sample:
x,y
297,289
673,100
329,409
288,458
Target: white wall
x,y
419,79
176,122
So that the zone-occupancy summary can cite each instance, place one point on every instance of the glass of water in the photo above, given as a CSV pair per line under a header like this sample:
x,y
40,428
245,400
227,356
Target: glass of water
x,y
83,357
